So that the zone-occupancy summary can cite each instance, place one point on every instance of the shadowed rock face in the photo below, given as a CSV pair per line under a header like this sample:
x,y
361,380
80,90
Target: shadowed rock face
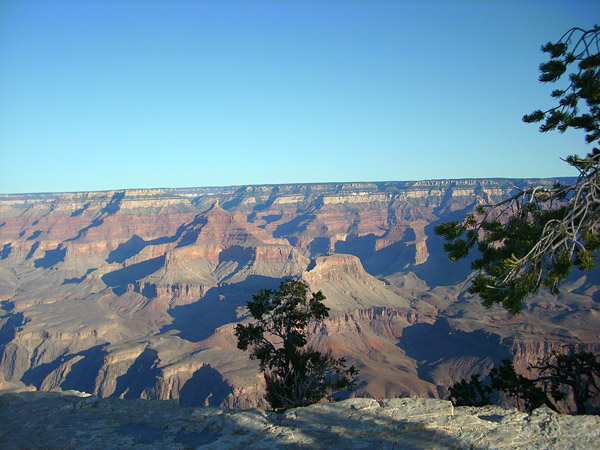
x,y
135,293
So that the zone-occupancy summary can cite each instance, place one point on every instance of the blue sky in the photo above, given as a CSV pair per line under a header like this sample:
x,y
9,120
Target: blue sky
x,y
98,95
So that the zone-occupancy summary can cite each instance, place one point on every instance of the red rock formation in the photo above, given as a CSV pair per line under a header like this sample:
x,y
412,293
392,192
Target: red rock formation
x,y
97,286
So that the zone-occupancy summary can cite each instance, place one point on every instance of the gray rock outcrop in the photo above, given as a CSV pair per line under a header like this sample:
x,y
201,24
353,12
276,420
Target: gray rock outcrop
x,y
70,420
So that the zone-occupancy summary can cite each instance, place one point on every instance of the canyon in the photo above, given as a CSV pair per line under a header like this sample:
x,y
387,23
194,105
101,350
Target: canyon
x,y
136,293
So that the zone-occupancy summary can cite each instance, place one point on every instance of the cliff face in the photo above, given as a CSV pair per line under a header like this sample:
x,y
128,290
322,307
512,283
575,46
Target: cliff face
x,y
134,293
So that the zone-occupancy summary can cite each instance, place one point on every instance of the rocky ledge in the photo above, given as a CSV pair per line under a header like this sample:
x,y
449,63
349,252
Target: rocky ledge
x,y
71,420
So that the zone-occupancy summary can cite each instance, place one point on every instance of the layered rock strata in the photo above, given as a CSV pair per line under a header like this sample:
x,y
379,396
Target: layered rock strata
x,y
136,293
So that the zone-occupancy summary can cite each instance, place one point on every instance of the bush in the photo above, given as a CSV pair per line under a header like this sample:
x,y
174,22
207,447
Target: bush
x,y
571,376
295,374
470,393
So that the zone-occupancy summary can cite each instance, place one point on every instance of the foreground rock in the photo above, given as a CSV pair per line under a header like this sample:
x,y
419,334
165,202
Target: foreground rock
x,y
52,420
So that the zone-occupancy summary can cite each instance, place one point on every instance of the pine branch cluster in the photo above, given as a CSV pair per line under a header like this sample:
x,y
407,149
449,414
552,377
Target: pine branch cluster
x,y
537,236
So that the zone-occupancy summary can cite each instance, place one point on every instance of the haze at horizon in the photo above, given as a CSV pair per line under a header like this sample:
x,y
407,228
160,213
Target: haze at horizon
x,y
113,95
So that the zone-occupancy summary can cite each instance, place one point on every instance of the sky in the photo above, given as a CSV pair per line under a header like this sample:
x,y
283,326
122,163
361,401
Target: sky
x,y
99,95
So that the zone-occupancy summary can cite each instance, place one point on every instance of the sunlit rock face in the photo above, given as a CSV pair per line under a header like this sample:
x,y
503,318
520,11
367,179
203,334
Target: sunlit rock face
x,y
135,293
